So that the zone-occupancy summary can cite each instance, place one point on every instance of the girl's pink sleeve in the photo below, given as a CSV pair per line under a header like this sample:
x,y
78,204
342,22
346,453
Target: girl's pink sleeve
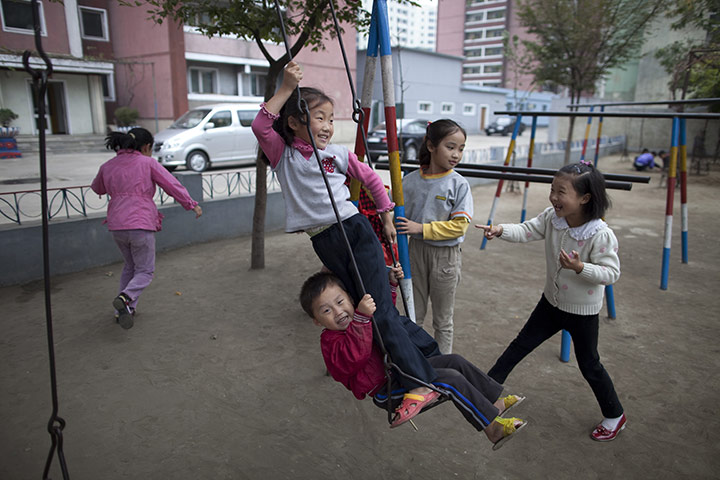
x,y
98,185
171,185
270,141
369,178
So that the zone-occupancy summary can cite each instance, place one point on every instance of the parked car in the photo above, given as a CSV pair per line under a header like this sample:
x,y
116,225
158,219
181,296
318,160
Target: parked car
x,y
504,126
208,135
410,137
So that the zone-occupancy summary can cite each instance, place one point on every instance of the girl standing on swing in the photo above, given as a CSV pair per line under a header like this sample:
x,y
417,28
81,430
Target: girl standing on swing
x,y
281,130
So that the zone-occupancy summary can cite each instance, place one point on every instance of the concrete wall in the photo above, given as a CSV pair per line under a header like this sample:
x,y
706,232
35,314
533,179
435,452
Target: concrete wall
x,y
84,243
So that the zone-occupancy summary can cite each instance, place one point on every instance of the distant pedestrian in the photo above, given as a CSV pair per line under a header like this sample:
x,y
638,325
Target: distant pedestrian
x,y
645,161
129,180
581,258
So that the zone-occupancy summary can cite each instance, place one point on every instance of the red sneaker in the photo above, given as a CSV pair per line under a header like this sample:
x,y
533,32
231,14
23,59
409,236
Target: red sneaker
x,y
602,434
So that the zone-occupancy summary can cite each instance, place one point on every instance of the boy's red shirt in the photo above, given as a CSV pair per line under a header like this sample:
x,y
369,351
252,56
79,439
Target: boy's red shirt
x,y
352,358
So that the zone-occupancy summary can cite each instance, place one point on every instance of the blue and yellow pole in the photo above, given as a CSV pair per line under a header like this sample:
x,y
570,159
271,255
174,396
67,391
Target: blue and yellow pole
x,y
498,191
379,41
529,164
683,191
597,142
587,135
669,205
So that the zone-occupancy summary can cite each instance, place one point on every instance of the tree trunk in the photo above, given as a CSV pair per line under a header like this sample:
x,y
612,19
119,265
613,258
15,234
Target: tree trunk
x,y
257,251
574,98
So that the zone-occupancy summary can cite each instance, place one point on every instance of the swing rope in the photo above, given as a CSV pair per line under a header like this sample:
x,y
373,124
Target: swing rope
x,y
389,365
56,424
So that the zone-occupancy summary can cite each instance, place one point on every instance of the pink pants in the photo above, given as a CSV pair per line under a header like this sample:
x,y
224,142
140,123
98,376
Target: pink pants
x,y
138,249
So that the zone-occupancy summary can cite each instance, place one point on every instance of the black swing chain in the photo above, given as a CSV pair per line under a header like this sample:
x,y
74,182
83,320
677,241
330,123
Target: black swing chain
x,y
56,424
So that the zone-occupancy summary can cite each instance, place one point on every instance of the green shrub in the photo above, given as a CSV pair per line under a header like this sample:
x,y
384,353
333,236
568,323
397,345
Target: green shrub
x,y
126,116
7,116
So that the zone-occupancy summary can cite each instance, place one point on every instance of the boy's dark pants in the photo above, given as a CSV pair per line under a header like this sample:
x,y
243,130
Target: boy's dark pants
x,y
544,322
407,344
473,391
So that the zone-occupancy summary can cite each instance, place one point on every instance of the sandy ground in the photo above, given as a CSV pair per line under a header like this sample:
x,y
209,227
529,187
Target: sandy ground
x,y
222,378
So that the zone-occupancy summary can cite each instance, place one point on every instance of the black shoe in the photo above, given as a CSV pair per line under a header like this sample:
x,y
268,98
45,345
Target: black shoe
x,y
125,313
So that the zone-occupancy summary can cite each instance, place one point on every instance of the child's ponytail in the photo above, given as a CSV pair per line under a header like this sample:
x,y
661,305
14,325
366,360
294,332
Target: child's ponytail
x,y
135,139
434,134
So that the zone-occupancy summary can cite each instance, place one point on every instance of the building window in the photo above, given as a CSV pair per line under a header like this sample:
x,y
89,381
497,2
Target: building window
x,y
474,17
495,14
448,107
202,80
108,87
471,70
492,68
473,35
93,24
425,107
493,51
473,53
468,109
498,32
17,17
491,84
257,84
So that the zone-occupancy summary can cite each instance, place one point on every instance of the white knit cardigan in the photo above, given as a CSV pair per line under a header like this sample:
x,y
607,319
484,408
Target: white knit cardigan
x,y
578,293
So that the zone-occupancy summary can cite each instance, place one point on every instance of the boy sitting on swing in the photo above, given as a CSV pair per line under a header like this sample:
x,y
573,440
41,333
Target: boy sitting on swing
x,y
353,359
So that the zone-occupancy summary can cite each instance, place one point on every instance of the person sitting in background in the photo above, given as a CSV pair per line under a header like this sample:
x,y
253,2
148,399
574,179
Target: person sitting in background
x,y
646,160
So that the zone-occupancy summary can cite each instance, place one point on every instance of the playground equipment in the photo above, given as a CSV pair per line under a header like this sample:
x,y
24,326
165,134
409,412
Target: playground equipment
x,y
678,124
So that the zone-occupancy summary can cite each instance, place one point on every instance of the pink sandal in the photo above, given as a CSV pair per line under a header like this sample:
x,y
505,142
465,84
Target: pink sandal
x,y
411,405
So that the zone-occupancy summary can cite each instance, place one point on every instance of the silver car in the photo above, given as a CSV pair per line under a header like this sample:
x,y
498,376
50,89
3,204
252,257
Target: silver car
x,y
208,135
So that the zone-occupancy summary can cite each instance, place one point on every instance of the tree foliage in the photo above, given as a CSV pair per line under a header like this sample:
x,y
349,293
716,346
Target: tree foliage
x,y
694,65
575,42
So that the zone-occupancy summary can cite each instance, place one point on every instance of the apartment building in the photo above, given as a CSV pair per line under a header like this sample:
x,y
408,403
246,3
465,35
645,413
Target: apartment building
x,y
410,26
474,30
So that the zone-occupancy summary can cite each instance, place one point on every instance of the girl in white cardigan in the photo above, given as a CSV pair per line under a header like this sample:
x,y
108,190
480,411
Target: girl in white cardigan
x,y
581,257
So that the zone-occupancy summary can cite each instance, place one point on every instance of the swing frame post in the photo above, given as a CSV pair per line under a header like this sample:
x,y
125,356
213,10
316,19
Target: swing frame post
x,y
587,135
683,190
379,44
667,239
498,191
531,150
599,135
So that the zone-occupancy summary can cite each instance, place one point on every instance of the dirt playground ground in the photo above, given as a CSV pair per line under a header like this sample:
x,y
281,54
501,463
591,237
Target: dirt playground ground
x,y
222,377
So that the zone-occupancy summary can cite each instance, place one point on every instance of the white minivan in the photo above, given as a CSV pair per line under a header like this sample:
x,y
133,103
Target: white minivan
x,y
211,134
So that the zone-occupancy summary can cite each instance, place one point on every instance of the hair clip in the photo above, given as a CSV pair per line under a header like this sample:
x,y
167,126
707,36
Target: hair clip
x,y
585,162
131,134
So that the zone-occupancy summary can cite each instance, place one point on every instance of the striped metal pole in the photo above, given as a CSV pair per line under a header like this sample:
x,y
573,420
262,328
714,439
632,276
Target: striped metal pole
x,y
597,142
381,43
498,191
587,135
365,103
529,164
683,191
669,204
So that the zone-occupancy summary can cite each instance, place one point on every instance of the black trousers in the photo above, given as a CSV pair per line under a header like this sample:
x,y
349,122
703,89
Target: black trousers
x,y
471,390
407,344
544,322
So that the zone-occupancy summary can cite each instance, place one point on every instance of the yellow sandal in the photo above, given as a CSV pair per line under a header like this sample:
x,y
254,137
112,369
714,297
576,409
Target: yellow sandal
x,y
511,401
509,429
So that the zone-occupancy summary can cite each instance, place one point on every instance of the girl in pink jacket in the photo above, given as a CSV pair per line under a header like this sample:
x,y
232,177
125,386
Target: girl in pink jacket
x,y
129,180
